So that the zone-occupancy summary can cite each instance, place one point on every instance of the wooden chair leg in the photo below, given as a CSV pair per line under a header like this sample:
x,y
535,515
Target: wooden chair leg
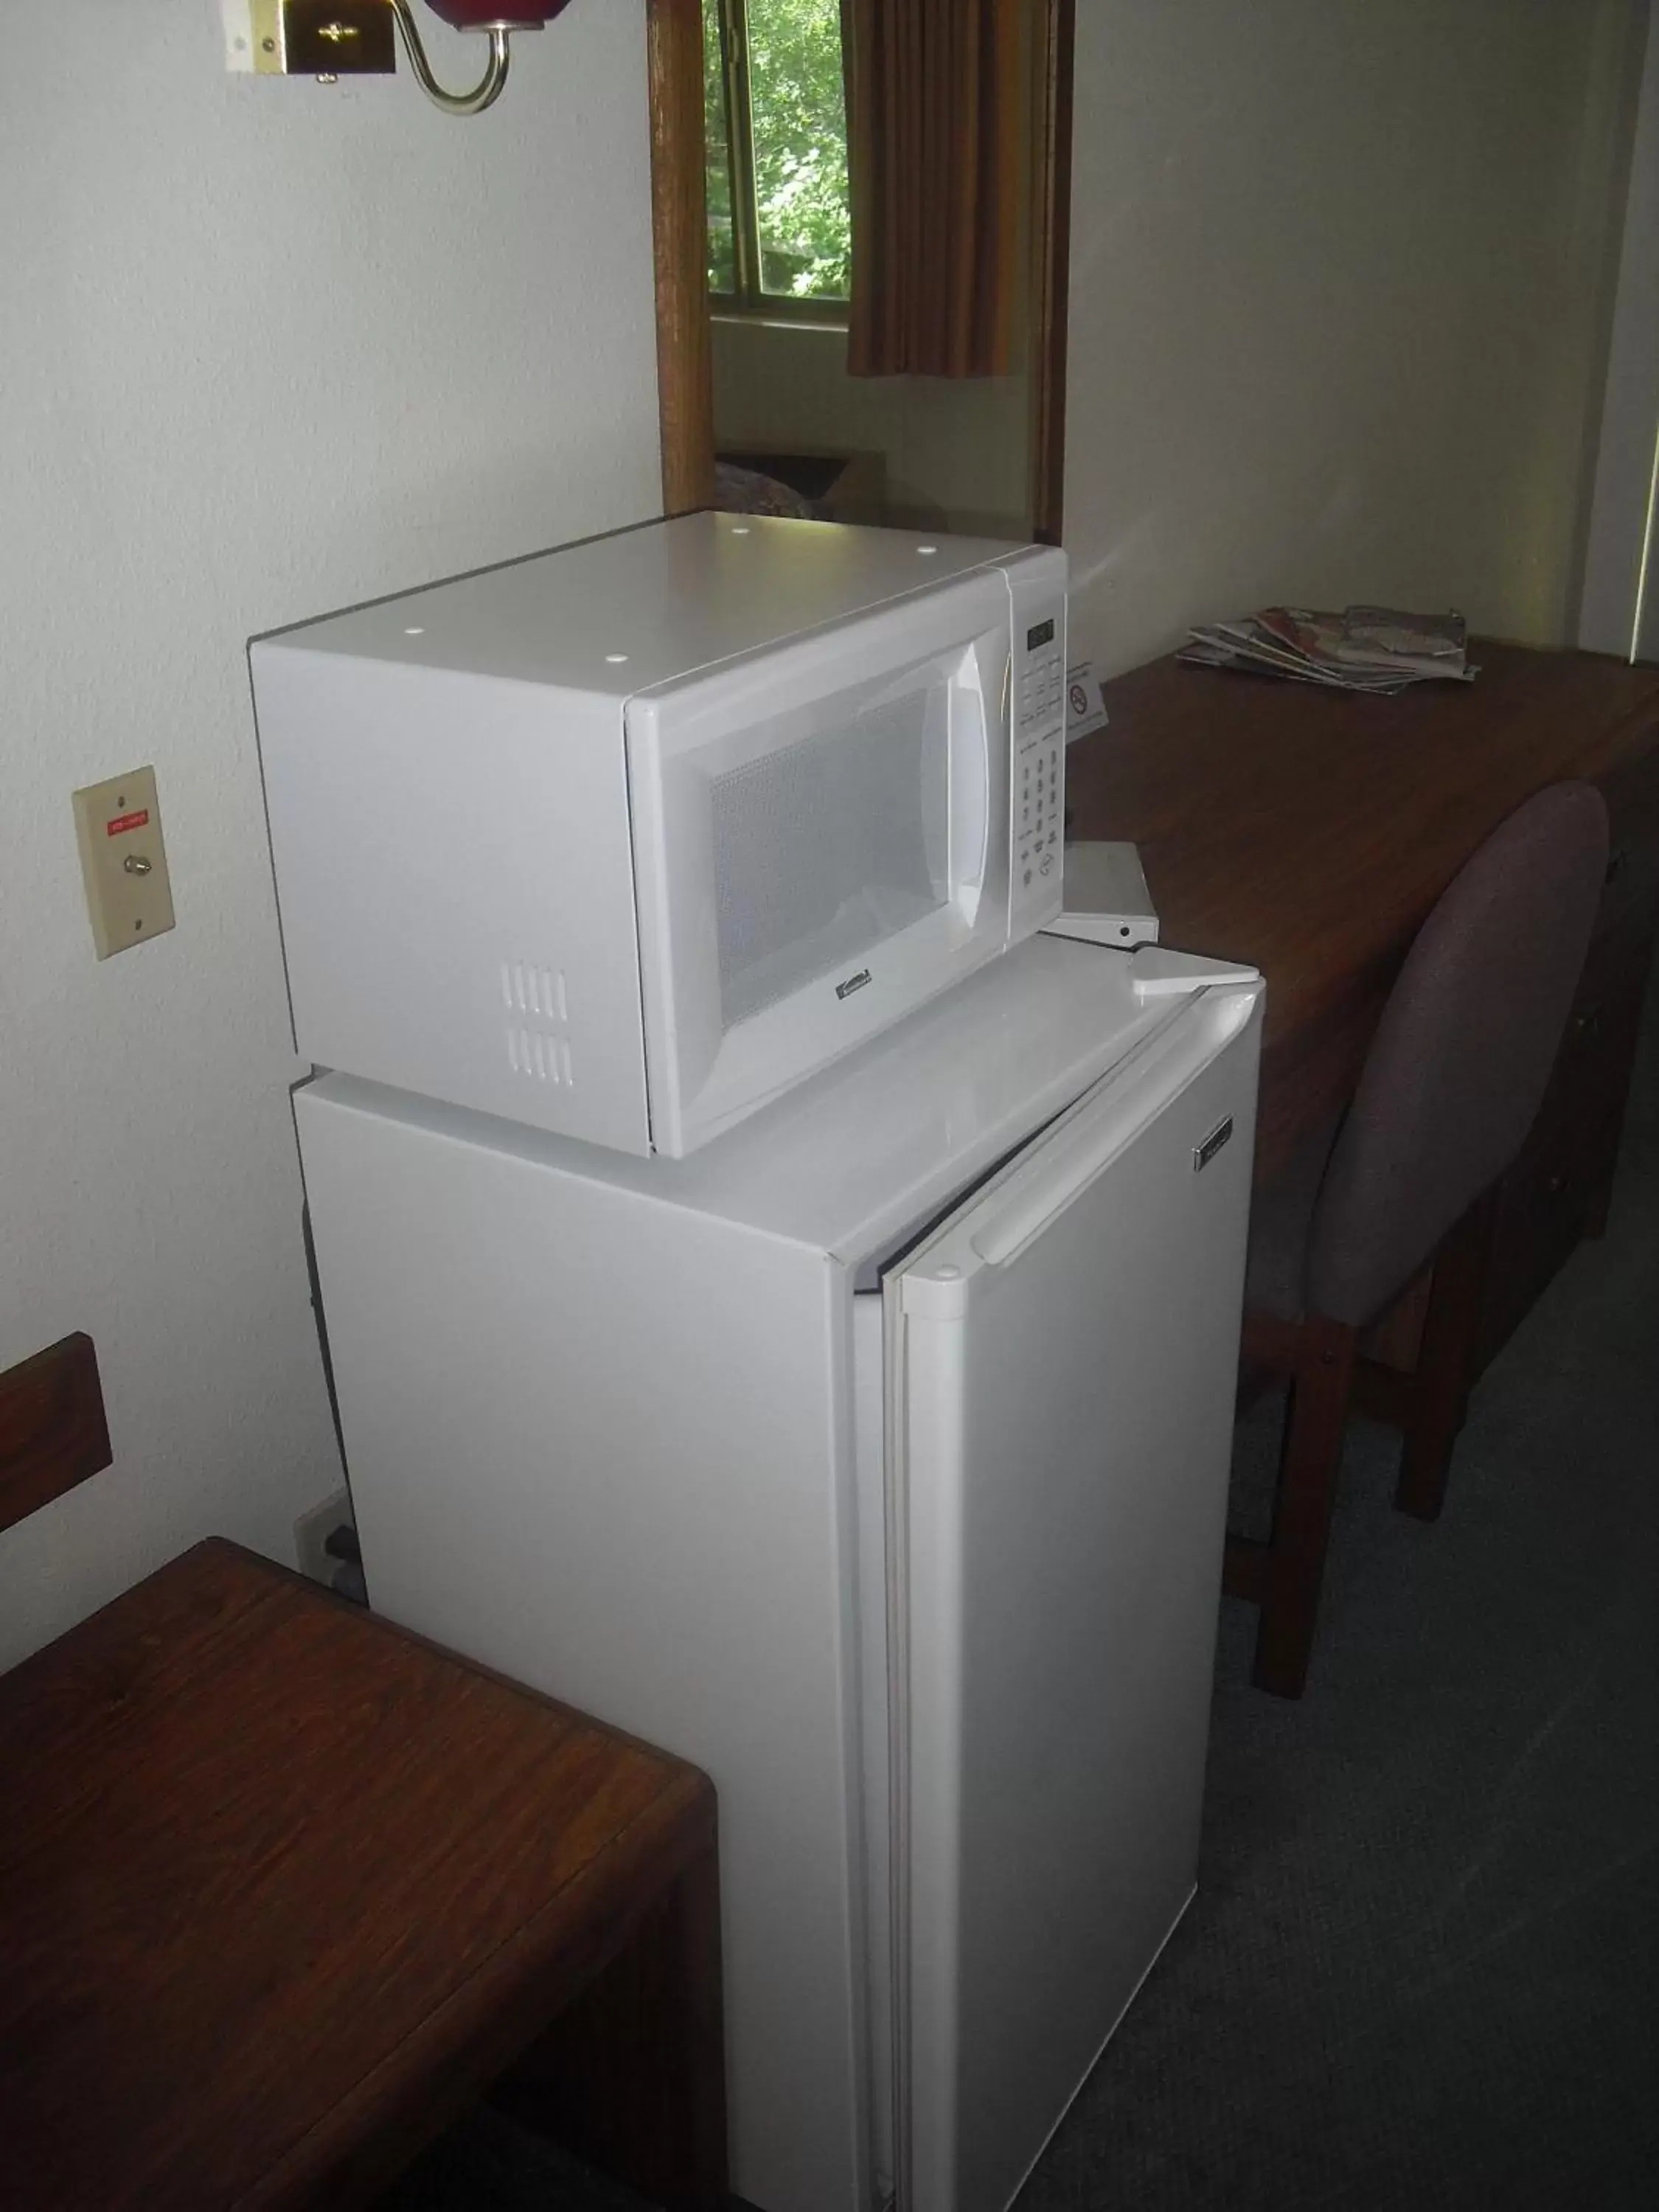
x,y
1292,1565
1437,1401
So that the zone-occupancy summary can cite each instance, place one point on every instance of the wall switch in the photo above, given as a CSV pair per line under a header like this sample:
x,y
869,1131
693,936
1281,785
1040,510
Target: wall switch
x,y
119,827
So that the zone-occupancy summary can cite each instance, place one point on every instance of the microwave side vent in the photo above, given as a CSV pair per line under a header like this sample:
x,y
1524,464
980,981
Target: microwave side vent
x,y
535,996
526,989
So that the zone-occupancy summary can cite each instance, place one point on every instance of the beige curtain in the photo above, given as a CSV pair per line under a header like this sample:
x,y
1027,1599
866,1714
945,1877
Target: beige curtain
x,y
935,131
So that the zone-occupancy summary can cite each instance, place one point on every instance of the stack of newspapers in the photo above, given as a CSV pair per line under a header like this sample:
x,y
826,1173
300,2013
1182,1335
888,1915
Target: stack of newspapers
x,y
1361,649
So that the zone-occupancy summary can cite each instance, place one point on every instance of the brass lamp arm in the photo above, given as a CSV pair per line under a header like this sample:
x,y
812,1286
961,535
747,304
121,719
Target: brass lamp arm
x,y
488,88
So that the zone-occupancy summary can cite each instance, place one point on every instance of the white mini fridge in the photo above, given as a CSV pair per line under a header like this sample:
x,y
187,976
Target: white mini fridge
x,y
874,1457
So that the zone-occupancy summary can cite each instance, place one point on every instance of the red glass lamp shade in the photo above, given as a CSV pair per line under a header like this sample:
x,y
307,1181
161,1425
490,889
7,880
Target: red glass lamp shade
x,y
492,14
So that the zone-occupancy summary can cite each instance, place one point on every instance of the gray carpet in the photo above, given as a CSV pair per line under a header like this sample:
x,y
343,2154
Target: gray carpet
x,y
1421,1969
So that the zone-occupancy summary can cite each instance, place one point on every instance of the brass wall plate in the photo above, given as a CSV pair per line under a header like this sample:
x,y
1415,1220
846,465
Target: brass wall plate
x,y
324,38
117,826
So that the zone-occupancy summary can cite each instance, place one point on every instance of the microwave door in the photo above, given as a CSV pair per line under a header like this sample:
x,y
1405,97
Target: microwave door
x,y
819,848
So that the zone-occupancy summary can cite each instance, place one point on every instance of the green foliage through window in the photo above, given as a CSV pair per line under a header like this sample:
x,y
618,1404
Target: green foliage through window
x,y
776,126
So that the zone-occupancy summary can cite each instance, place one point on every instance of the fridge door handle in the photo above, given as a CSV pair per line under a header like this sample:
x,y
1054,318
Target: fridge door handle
x,y
1072,1158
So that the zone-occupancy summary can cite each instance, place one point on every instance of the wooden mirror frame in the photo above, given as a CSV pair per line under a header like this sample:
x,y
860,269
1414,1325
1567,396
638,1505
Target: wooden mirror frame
x,y
685,385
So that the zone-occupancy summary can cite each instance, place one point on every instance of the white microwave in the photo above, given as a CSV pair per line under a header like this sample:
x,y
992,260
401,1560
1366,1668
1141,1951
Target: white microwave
x,y
622,840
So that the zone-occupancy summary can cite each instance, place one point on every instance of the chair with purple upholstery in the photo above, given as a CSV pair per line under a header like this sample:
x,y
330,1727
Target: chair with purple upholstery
x,y
1449,1088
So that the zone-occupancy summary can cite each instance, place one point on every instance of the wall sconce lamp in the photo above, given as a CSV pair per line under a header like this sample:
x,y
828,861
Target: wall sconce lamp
x,y
333,38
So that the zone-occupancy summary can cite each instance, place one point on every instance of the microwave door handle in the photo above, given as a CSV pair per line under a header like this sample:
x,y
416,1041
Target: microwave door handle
x,y
985,775
974,779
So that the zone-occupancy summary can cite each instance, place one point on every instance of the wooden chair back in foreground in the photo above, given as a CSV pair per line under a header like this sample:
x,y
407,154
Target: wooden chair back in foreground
x,y
1449,1088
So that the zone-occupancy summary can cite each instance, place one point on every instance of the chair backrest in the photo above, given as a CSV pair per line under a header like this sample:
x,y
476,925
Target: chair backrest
x,y
1462,1053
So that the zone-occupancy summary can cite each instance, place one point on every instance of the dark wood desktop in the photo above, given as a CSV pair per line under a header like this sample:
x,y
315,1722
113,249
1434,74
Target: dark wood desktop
x,y
1310,832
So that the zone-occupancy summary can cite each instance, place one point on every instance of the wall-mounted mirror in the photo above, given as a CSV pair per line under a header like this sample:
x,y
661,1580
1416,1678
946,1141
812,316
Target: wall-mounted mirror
x,y
861,268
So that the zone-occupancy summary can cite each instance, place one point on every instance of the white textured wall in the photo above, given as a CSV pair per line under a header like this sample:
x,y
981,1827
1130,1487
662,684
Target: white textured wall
x,y
264,349
1340,275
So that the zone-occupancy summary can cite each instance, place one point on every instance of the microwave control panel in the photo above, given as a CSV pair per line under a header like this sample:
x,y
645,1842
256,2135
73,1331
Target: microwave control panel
x,y
1038,793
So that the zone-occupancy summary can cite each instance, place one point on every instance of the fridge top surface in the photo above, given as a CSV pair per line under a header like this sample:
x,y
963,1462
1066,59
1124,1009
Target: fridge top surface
x,y
864,1152
614,614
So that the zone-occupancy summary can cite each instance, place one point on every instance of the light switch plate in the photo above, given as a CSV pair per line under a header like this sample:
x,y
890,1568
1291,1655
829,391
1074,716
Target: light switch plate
x,y
118,825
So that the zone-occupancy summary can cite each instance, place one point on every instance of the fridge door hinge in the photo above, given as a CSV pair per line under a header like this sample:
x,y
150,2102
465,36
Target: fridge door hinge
x,y
1156,972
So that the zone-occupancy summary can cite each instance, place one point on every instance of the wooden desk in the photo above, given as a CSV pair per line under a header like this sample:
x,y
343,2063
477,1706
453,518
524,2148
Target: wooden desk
x,y
1311,833
281,1886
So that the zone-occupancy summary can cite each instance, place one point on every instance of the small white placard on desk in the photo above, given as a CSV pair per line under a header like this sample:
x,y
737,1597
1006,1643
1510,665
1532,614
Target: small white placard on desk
x,y
1107,901
1085,710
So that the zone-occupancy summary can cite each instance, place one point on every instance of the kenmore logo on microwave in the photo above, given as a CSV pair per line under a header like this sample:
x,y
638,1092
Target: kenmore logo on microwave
x,y
852,983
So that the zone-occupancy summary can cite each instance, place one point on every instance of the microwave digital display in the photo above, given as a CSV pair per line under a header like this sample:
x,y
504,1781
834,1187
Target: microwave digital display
x,y
1041,635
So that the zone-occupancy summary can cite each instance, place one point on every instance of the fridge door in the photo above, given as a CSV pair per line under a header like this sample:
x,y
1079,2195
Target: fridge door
x,y
1060,1356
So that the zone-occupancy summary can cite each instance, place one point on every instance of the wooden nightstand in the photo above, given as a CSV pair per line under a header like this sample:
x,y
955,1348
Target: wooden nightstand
x,y
283,1887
